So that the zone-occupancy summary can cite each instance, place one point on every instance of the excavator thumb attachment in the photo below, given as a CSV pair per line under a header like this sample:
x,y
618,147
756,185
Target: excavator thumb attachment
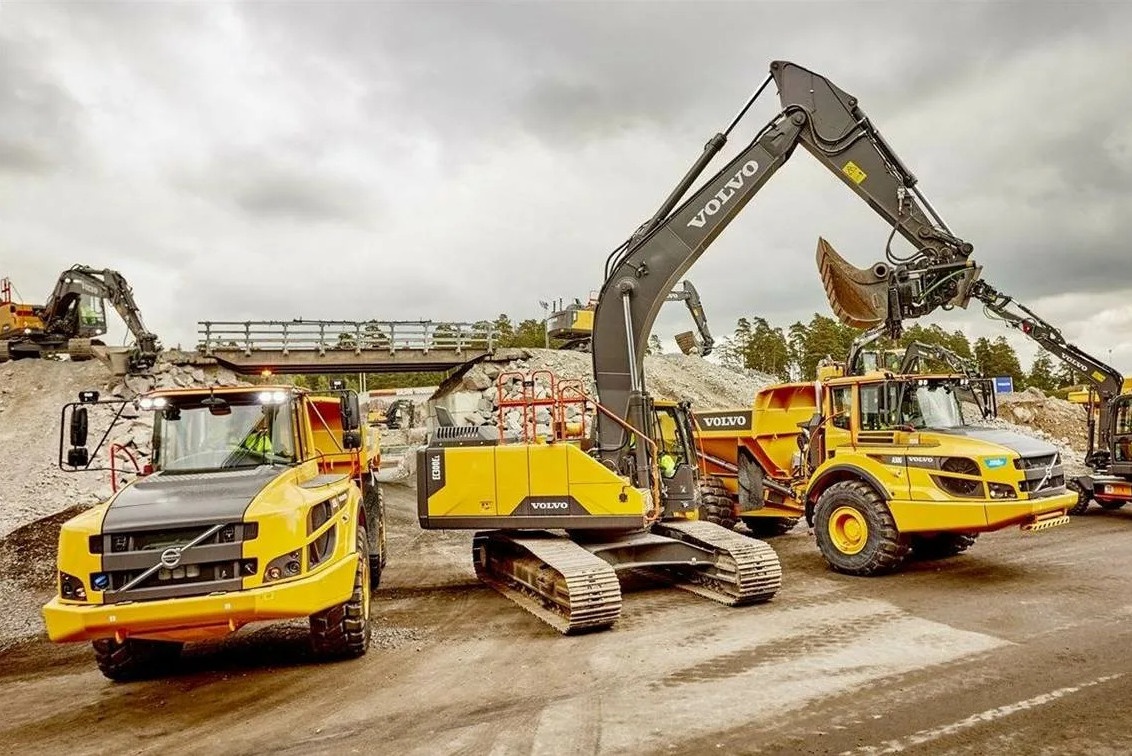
x,y
687,342
858,297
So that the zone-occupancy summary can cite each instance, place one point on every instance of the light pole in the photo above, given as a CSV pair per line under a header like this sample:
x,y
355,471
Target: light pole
x,y
545,321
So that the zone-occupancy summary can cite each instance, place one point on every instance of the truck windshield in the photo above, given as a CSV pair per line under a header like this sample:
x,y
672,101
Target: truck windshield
x,y
910,404
193,437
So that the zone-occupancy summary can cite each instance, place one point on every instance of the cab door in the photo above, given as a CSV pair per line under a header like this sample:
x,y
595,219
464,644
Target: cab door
x,y
839,429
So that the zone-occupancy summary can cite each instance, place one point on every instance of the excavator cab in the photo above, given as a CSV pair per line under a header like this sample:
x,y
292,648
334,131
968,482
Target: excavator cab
x,y
675,456
91,315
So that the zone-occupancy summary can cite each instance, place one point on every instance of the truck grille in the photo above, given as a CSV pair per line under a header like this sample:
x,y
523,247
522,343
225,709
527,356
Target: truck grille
x,y
215,564
1034,480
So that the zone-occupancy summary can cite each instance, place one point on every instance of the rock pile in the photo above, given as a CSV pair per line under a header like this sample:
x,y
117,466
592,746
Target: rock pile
x,y
473,397
1057,418
32,393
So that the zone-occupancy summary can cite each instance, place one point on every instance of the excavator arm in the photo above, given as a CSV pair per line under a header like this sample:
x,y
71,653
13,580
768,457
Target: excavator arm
x,y
1106,380
687,340
62,307
831,126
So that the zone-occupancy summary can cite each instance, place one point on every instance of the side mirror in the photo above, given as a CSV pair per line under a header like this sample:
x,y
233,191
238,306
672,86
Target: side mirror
x,y
78,457
79,423
351,413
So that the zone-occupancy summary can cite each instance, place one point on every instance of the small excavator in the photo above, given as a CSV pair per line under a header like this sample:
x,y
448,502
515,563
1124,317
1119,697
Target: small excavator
x,y
574,323
606,491
72,319
1109,452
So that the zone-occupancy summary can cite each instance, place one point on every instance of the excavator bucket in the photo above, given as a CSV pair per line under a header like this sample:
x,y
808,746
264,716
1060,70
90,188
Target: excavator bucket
x,y
858,297
687,342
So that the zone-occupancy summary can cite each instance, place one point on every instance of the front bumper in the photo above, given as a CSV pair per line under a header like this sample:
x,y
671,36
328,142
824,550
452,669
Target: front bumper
x,y
980,515
198,617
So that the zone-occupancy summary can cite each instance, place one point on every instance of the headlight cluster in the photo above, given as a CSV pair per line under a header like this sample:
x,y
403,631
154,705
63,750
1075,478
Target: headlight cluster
x,y
285,566
1002,491
272,397
153,403
70,587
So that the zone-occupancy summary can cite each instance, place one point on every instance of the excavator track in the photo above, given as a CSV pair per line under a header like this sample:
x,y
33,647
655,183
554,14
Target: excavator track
x,y
747,571
551,577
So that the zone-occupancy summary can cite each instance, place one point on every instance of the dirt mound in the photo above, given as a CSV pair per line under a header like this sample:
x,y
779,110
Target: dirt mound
x,y
1057,418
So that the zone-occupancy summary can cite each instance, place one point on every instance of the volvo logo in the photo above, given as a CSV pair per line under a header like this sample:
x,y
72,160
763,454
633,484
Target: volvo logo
x,y
171,557
724,195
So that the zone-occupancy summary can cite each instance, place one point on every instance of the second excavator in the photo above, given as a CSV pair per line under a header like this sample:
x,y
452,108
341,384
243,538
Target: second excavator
x,y
73,318
559,518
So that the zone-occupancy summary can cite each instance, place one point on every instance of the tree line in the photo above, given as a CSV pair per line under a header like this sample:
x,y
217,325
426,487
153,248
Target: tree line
x,y
794,353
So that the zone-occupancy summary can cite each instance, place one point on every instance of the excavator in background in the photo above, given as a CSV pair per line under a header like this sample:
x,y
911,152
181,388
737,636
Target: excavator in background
x,y
72,319
574,323
917,357
1109,452
607,490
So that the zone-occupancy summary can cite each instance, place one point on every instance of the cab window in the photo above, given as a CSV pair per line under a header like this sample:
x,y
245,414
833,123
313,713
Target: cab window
x,y
841,405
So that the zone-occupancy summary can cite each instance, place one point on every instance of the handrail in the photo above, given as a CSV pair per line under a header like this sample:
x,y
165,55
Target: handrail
x,y
344,335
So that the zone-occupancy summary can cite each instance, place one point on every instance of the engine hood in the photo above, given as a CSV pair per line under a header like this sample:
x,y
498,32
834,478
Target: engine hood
x,y
168,500
1024,446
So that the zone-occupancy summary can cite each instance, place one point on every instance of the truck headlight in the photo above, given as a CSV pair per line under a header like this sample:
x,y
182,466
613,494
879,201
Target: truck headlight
x,y
282,567
70,587
1002,491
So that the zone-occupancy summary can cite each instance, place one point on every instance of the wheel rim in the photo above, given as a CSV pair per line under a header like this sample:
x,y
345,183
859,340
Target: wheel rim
x,y
848,530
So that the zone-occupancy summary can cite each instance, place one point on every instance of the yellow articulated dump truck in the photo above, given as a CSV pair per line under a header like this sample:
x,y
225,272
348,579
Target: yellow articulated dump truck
x,y
257,503
880,465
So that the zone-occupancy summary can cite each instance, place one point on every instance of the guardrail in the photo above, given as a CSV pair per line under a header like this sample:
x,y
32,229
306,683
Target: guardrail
x,y
322,336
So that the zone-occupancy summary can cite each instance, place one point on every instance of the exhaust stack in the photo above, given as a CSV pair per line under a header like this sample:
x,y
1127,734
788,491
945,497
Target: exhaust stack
x,y
859,297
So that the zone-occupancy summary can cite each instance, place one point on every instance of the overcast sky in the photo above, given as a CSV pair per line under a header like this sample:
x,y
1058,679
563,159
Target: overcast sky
x,y
457,160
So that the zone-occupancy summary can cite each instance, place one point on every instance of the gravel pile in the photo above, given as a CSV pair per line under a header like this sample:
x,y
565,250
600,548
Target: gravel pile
x,y
473,398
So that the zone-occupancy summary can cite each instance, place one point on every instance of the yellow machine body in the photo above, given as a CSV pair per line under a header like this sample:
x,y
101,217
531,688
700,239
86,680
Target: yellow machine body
x,y
524,486
966,480
290,551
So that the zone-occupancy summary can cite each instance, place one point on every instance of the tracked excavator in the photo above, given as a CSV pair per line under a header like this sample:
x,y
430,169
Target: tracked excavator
x,y
73,317
608,495
574,323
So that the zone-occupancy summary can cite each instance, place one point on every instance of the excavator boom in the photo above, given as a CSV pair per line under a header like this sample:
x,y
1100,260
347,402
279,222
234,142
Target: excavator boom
x,y
830,125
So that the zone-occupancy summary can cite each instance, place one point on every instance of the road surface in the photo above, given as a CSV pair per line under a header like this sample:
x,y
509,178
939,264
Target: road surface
x,y
1015,647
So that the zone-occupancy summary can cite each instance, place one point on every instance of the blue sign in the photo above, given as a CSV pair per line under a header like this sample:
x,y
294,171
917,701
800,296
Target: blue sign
x,y
1003,385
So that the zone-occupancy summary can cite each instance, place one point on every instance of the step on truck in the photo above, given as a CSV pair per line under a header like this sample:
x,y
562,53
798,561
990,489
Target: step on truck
x,y
881,466
257,503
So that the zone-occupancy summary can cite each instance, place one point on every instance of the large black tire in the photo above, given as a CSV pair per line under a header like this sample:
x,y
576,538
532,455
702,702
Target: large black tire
x,y
862,539
768,527
374,505
343,630
134,659
1083,497
716,504
942,545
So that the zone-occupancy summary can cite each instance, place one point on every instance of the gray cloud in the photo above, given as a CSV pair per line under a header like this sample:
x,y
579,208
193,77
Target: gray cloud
x,y
454,161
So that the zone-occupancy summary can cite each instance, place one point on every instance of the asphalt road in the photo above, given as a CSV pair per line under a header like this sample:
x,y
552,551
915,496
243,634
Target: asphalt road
x,y
1015,647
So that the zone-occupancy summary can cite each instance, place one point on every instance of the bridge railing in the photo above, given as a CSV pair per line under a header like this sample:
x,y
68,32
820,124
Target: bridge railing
x,y
324,336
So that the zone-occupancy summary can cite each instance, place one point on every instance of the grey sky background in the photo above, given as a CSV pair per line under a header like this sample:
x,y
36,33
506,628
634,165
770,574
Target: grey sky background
x,y
457,160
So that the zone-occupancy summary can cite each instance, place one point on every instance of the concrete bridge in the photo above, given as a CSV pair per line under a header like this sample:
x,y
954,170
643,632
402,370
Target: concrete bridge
x,y
344,346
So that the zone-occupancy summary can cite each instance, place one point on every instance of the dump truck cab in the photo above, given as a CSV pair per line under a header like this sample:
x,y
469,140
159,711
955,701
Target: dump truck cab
x,y
258,503
880,465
